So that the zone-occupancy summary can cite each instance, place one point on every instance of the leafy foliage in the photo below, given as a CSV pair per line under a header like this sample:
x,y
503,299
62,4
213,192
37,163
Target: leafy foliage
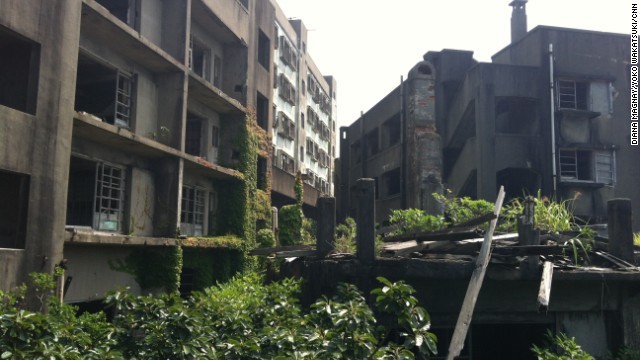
x,y
346,236
567,349
242,319
153,267
636,239
459,210
549,215
265,238
413,221
290,219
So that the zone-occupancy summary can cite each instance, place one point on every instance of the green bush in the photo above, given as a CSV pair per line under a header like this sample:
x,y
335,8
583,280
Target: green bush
x,y
636,239
459,210
560,347
346,236
242,319
290,222
549,215
265,238
411,221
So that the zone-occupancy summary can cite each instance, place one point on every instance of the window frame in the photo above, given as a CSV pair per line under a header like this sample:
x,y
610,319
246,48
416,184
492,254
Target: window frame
x,y
193,208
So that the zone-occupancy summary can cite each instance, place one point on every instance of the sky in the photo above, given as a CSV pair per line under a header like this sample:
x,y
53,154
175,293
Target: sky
x,y
367,45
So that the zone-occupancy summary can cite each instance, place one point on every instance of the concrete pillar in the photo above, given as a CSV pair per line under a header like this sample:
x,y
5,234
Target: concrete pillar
x,y
366,220
620,228
326,241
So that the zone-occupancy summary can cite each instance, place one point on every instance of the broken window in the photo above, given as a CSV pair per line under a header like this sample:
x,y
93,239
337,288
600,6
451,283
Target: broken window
x,y
95,195
193,136
356,154
573,94
200,58
516,115
264,50
262,110
391,131
391,182
125,10
262,173
372,142
217,71
14,192
587,165
215,143
19,66
192,212
104,92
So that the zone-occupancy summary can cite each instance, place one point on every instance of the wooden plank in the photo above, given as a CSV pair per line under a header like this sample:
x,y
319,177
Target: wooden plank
x,y
295,253
524,250
545,286
477,221
469,303
271,250
452,234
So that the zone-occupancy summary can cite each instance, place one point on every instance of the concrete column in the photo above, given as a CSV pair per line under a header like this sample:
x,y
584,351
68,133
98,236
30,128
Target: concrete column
x,y
326,241
366,219
168,175
620,228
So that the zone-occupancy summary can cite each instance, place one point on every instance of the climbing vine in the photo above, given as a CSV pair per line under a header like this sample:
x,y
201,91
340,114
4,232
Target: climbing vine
x,y
153,267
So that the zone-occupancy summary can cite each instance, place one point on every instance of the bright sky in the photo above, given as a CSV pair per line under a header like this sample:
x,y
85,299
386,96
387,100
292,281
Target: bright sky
x,y
368,44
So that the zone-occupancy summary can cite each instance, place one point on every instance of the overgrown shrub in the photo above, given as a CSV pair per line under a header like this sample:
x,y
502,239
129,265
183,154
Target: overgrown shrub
x,y
560,347
290,222
265,238
459,210
242,319
309,231
636,239
411,221
346,236
549,215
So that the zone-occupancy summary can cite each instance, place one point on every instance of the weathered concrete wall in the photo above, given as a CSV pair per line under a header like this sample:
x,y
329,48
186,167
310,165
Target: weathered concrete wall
x,y
46,155
142,202
151,16
92,275
588,329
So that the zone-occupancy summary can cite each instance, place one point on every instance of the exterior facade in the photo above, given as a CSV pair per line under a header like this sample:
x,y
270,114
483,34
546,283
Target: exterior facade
x,y
119,126
304,105
471,127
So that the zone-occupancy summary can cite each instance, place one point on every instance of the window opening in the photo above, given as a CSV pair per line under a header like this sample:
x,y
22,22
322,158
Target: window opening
x,y
572,94
192,212
193,135
96,195
123,100
109,198
14,192
104,92
264,49
19,71
200,58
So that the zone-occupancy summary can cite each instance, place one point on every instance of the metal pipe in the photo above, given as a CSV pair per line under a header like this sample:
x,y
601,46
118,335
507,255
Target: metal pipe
x,y
553,124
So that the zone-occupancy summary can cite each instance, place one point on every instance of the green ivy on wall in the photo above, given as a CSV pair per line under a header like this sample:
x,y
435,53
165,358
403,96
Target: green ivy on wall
x,y
153,267
211,265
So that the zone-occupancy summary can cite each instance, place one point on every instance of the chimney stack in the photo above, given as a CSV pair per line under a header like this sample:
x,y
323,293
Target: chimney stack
x,y
518,20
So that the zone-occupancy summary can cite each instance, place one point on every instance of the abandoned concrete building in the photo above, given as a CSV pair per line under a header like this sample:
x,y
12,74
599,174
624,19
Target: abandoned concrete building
x,y
118,121
550,112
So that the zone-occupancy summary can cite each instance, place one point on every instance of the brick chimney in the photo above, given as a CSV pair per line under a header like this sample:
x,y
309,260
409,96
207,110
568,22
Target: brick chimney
x,y
518,20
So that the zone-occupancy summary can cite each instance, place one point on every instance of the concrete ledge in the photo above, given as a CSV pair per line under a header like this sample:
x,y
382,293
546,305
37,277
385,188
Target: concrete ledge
x,y
92,237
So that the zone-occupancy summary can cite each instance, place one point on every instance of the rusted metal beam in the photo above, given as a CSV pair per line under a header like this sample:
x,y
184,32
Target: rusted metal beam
x,y
469,303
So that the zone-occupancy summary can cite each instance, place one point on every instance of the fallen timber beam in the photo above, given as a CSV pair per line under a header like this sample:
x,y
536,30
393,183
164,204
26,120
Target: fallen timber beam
x,y
273,250
469,303
452,234
544,294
